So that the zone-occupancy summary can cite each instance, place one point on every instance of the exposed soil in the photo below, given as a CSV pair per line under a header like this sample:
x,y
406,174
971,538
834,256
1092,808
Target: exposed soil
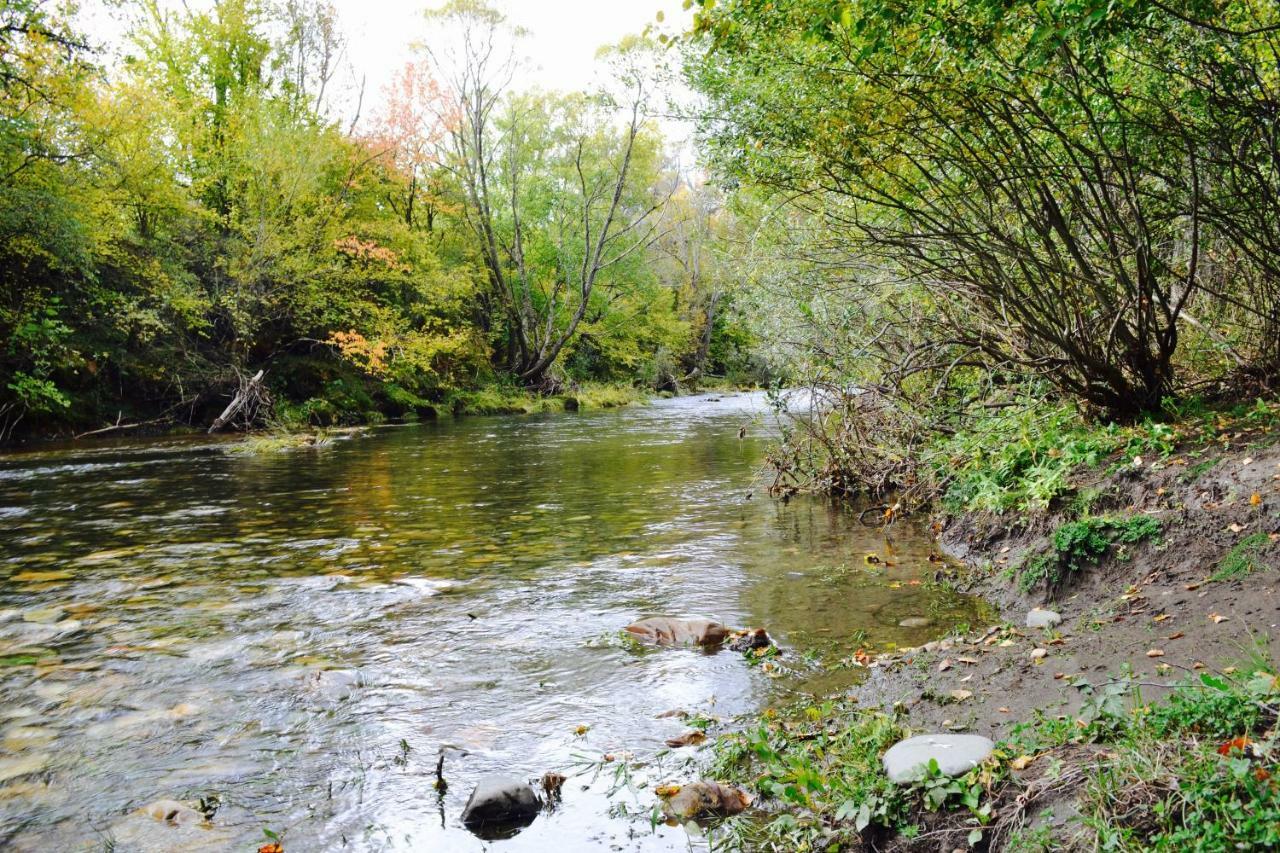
x,y
1155,609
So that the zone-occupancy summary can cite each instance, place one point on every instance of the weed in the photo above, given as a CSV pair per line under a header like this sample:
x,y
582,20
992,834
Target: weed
x,y
1077,545
1241,560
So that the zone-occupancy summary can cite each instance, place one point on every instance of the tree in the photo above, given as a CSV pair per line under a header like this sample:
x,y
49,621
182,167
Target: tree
x,y
596,212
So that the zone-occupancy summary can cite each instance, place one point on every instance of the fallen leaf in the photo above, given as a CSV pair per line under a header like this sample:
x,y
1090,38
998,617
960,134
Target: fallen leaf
x,y
1178,635
582,730
1039,654
1236,743
1161,617
961,695
1002,709
1235,528
1155,653
1255,499
1218,617
1021,762
273,847
945,665
1248,460
1197,665
1058,676
665,791
970,661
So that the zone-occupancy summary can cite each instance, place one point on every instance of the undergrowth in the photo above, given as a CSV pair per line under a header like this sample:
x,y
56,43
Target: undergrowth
x,y
1077,545
1196,772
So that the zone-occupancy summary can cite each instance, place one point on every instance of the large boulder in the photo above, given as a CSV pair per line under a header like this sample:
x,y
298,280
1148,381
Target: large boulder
x,y
956,754
669,631
500,806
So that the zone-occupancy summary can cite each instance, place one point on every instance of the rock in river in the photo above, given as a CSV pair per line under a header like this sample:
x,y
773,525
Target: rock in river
x,y
500,806
915,622
701,800
955,754
746,641
1039,618
668,631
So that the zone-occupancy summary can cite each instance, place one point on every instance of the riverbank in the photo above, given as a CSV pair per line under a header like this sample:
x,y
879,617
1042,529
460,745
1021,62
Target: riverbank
x,y
1143,719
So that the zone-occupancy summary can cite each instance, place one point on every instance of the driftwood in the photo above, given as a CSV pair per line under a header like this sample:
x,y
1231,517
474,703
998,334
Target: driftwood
x,y
118,425
251,394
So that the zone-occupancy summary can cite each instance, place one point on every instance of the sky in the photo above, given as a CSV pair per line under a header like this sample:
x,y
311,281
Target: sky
x,y
561,45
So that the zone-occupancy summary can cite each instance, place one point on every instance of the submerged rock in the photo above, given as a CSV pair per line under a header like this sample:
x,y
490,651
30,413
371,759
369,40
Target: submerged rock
x,y
956,754
336,684
1040,618
915,622
174,812
701,800
500,806
668,631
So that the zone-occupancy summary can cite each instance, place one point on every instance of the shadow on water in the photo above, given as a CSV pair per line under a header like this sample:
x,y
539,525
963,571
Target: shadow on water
x,y
298,634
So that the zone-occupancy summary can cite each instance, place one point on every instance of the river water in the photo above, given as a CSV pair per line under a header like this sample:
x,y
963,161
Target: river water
x,y
295,635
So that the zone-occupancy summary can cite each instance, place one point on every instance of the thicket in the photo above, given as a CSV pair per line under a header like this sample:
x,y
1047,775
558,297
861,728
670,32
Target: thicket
x,y
206,199
975,202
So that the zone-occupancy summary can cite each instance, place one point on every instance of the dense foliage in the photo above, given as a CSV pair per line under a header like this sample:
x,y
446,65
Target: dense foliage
x,y
210,204
975,195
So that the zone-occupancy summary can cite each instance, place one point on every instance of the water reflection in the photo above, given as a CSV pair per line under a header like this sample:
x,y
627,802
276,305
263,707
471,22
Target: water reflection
x,y
296,635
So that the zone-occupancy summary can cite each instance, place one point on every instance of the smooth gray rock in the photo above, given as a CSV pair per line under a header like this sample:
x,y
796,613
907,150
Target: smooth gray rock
x,y
1040,618
501,801
915,622
956,754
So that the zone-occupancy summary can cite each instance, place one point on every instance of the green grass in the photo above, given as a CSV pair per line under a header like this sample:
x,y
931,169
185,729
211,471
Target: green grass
x,y
1076,545
1022,458
817,769
1242,559
1143,776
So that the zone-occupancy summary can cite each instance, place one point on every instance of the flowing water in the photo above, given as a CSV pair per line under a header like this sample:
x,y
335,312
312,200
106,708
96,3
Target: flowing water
x,y
297,634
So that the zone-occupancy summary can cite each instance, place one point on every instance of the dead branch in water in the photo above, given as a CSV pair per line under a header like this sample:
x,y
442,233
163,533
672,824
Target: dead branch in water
x,y
251,398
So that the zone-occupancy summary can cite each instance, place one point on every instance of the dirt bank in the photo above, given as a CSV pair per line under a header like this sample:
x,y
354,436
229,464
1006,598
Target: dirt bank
x,y
1201,596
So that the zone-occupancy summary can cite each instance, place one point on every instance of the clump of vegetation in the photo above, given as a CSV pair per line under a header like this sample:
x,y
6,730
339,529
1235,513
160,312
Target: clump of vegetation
x,y
1195,770
1076,545
818,768
1242,559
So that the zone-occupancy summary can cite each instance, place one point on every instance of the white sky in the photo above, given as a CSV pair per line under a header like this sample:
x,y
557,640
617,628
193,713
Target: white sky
x,y
561,45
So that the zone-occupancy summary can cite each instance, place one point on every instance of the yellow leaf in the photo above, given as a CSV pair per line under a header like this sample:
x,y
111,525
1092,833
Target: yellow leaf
x,y
1255,499
1155,653
1021,762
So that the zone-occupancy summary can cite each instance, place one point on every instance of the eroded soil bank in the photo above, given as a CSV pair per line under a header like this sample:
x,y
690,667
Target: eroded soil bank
x,y
1199,598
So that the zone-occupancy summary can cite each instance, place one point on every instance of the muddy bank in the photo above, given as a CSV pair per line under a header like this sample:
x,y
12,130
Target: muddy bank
x,y
1199,597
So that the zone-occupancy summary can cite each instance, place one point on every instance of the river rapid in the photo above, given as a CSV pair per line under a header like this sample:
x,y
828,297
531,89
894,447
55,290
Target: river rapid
x,y
294,636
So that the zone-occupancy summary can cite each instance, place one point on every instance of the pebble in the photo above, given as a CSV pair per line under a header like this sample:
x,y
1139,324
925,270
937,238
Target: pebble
x,y
1040,618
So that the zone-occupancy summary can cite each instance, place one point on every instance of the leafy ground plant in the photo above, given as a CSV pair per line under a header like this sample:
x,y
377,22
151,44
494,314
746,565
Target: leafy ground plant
x,y
1076,545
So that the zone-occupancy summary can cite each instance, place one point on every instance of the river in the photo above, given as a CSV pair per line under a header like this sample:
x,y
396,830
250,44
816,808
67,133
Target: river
x,y
295,635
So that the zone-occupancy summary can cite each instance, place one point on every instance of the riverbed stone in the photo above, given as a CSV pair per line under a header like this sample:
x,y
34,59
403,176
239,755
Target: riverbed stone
x,y
1041,618
704,800
955,754
500,804
915,622
669,631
